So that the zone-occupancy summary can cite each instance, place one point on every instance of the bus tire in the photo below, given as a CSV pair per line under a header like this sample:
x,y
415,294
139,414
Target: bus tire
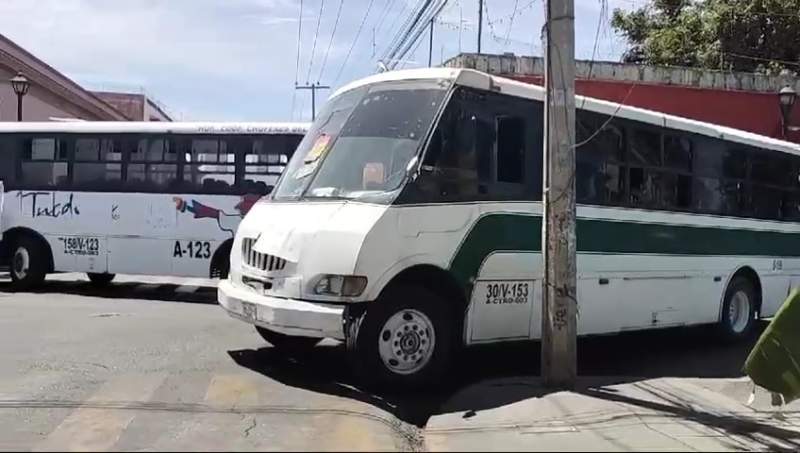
x,y
221,261
100,279
403,340
29,263
287,342
738,310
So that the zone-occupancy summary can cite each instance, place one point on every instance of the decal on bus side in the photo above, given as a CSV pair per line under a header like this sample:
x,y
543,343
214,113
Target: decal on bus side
x,y
192,249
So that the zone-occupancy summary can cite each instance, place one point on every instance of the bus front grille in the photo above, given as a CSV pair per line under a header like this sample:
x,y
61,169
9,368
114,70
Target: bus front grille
x,y
261,261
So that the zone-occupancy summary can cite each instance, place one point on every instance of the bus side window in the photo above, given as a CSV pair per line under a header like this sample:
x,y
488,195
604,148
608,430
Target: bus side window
x,y
452,159
44,163
264,160
152,166
600,173
209,166
511,149
9,150
97,164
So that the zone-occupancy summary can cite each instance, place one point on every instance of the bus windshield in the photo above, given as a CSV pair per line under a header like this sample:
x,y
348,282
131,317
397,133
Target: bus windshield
x,y
362,142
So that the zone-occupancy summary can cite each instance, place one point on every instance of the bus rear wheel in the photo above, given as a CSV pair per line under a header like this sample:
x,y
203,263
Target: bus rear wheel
x,y
100,279
403,340
28,264
287,342
738,309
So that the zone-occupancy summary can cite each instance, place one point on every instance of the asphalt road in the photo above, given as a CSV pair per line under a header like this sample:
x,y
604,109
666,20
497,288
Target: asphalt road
x,y
154,364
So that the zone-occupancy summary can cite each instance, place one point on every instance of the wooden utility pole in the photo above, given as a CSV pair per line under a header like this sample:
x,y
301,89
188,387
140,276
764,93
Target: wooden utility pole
x,y
559,304
313,87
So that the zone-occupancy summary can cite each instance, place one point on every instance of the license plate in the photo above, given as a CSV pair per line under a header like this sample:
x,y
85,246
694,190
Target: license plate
x,y
249,311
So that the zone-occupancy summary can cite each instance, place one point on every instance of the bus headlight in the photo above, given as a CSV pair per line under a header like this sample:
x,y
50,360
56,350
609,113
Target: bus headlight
x,y
340,285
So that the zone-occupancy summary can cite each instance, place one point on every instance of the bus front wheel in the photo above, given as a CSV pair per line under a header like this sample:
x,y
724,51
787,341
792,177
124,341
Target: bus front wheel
x,y
402,340
100,279
28,264
738,309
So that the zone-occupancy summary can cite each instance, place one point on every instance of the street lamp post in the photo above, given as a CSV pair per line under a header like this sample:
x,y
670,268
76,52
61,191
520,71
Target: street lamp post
x,y
21,85
787,97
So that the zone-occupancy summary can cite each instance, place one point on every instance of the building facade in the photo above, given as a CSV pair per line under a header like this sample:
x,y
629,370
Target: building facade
x,y
136,106
53,96
743,101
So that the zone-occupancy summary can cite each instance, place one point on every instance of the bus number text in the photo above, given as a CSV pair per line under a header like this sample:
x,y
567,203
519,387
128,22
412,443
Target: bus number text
x,y
507,293
192,249
83,246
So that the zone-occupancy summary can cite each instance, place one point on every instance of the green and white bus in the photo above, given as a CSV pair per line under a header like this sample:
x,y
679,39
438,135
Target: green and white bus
x,y
408,223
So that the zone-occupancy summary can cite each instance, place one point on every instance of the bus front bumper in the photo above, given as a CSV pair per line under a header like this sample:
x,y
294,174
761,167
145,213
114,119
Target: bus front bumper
x,y
286,316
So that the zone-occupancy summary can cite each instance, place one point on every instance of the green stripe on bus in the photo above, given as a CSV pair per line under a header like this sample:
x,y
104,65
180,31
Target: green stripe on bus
x,y
506,232
492,233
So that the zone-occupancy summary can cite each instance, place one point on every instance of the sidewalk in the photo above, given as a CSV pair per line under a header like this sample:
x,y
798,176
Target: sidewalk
x,y
667,414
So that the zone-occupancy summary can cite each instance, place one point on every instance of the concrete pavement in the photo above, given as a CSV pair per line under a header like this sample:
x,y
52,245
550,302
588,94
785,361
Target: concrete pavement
x,y
90,373
152,363
613,414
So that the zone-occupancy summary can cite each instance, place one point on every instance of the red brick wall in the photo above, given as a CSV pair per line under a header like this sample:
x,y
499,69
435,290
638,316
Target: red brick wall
x,y
749,111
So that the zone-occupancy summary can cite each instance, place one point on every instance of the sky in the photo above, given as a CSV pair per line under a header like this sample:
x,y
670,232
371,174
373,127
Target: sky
x,y
236,60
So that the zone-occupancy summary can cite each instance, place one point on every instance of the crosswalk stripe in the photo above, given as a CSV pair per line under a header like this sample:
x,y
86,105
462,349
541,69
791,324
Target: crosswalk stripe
x,y
348,434
97,429
232,390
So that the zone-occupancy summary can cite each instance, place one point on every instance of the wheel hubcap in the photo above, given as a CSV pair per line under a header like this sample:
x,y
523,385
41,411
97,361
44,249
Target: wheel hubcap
x,y
21,263
406,342
739,311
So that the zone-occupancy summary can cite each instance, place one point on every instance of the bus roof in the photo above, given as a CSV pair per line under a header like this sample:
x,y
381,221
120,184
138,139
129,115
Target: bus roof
x,y
153,127
481,80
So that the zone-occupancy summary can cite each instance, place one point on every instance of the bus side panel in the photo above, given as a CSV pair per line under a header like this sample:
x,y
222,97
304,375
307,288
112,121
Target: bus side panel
x,y
172,234
133,233
778,277
74,224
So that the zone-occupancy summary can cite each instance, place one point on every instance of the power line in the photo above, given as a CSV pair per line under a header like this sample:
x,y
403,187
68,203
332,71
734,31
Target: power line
x,y
330,43
420,29
405,29
382,16
511,22
355,40
519,11
422,18
297,64
394,23
316,35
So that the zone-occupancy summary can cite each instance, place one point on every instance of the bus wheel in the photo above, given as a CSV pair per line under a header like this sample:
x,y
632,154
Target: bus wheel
x,y
738,309
100,279
28,264
403,340
287,342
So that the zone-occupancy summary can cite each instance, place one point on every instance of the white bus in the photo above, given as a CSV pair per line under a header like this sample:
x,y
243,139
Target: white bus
x,y
134,198
408,224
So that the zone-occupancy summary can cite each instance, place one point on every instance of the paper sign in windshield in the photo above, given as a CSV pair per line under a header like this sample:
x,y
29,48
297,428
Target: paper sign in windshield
x,y
319,148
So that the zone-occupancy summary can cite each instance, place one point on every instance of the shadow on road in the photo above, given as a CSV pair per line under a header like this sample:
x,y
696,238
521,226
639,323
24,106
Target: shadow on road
x,y
688,352
124,290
